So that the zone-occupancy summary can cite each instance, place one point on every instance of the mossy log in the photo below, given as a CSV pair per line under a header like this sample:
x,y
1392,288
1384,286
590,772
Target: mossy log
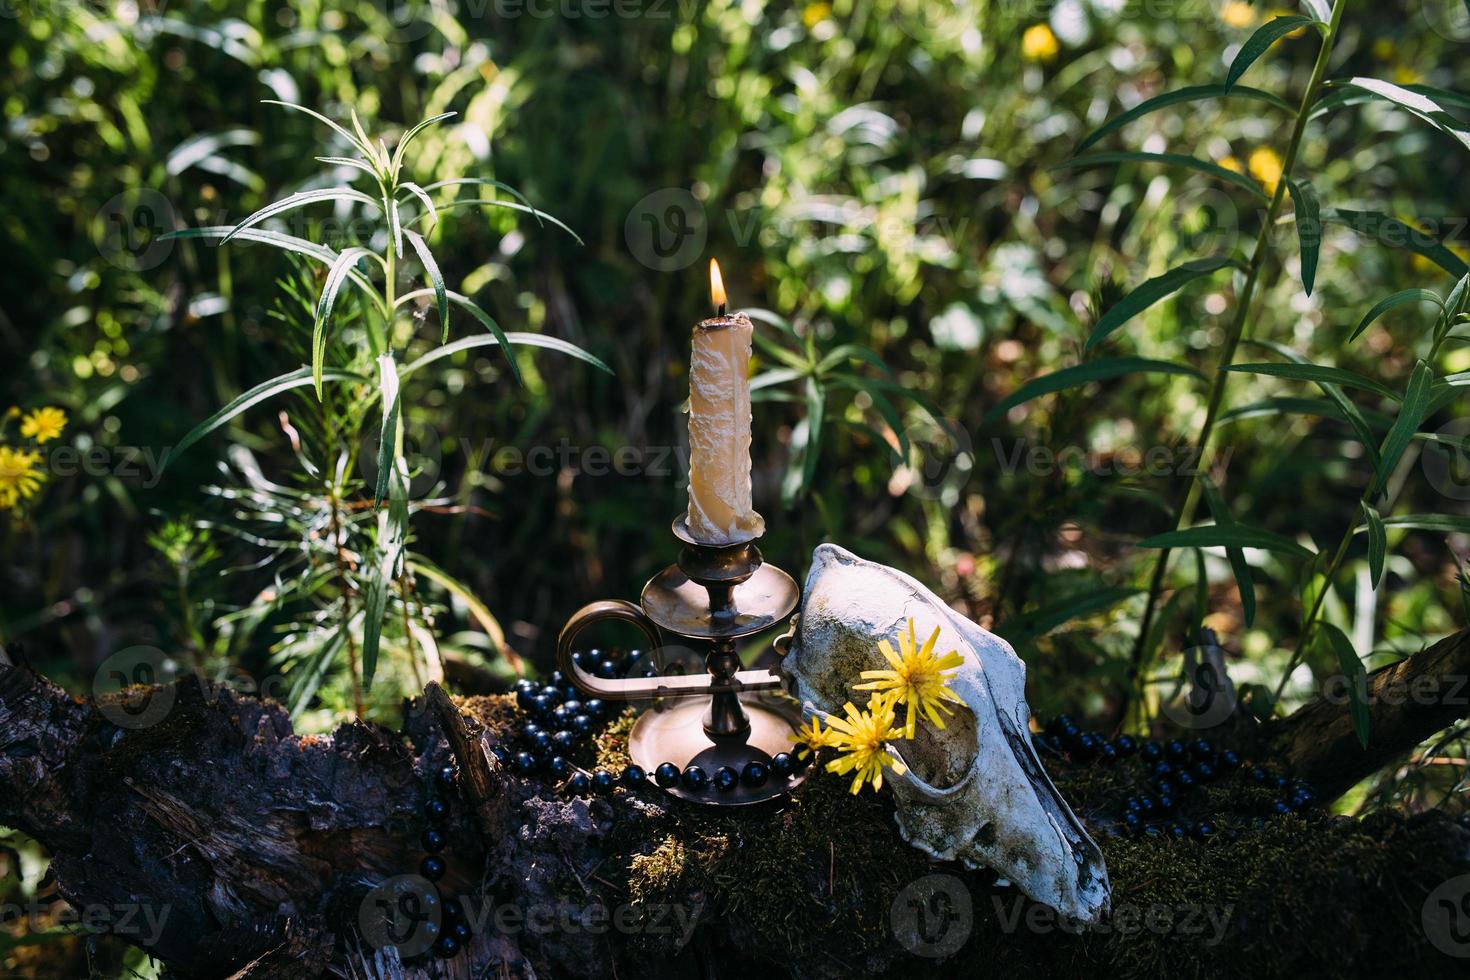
x,y
255,852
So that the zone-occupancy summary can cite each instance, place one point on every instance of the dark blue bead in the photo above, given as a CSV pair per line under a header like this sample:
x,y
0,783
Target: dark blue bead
x,y
1204,772
526,698
432,867
542,744
1086,745
755,773
579,784
1162,787
1280,807
607,670
1175,749
781,764
579,658
1177,831
666,775
1204,829
501,753
436,810
695,778
1259,775
1229,761
561,716
1152,830
1064,721
563,740
542,706
453,911
1281,782
582,724
1146,805
634,777
558,679
574,707
530,730
1133,821
1133,806
726,778
1163,769
802,760
445,776
1070,732
460,931
446,947
525,684
594,708
559,767
551,695
1107,753
1165,804
525,763
603,781
1125,744
1151,751
1202,749
1299,802
433,840
1185,780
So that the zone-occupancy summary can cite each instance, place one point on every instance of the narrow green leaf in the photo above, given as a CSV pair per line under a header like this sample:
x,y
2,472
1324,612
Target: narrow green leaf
x,y
1416,103
335,277
299,378
1318,374
1397,299
1411,414
366,148
1395,233
1325,407
1101,370
408,138
286,243
1319,9
1151,292
436,279
1265,36
1377,543
307,679
1448,523
388,553
775,376
1172,159
365,141
1244,582
388,437
1193,93
846,352
1356,677
353,162
881,403
1308,228
1228,536
486,320
520,339
297,200
397,228
423,197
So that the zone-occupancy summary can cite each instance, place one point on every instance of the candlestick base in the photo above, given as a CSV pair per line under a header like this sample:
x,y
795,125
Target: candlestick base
x,y
677,734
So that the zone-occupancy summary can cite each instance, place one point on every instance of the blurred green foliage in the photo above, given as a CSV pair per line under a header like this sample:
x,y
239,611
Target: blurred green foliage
x,y
879,173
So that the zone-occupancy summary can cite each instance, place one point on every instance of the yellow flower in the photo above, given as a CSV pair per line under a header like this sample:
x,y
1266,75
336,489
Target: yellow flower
x,y
44,424
1406,75
1039,43
1265,166
1237,14
918,679
1230,163
862,739
812,737
815,13
19,477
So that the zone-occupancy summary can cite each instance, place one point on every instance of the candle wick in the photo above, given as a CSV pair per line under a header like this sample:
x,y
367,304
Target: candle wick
x,y
721,310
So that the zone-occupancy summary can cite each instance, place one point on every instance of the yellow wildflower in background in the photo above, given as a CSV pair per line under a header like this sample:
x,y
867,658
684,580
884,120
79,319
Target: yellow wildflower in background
x,y
20,476
862,739
1230,163
44,424
1265,166
1237,14
815,13
918,679
1039,43
812,737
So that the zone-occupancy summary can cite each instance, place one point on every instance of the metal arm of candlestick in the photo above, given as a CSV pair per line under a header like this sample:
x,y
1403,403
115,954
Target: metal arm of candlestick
x,y
641,688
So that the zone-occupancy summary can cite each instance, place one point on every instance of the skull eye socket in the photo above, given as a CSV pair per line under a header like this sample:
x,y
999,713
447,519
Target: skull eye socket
x,y
924,753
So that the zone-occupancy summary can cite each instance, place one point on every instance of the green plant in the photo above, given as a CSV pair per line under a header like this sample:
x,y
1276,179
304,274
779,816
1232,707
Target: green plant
x,y
359,558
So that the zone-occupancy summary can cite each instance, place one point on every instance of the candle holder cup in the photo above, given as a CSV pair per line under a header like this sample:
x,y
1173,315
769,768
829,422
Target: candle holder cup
x,y
714,595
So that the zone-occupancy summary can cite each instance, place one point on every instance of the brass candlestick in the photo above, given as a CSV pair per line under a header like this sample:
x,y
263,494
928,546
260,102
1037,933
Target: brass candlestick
x,y
713,594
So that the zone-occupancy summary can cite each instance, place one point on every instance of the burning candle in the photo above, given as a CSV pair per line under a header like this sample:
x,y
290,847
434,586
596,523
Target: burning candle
x,y
720,509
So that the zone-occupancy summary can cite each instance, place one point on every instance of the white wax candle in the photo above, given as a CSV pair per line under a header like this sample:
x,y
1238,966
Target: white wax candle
x,y
720,508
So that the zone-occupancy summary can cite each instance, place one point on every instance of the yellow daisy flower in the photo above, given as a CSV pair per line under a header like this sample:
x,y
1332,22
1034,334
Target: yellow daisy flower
x,y
862,738
44,424
1039,43
19,476
919,679
812,737
1266,167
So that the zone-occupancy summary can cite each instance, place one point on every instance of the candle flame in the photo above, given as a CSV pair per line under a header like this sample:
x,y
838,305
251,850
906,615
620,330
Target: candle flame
x,y
716,286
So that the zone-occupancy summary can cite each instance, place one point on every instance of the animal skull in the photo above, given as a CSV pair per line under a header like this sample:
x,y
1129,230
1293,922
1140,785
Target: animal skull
x,y
974,790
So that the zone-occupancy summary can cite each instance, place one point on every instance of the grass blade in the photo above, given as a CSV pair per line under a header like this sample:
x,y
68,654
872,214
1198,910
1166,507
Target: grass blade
x,y
1265,36
1172,159
298,200
1318,374
1308,228
1397,299
518,339
1230,535
1415,407
1100,370
1377,543
1151,292
1355,675
1193,93
335,277
436,279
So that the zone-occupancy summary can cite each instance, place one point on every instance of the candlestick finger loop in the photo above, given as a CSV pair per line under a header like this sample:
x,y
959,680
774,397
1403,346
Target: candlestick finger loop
x,y
618,689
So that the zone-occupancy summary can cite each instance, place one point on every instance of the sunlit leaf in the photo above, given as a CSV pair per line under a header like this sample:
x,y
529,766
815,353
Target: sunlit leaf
x,y
1079,374
1151,292
1411,414
1265,36
335,277
1228,536
436,279
1397,299
1318,374
1377,543
298,200
1395,233
1192,93
1356,677
1308,228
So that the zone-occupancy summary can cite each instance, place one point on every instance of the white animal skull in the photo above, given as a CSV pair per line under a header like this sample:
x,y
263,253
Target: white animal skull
x,y
974,791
